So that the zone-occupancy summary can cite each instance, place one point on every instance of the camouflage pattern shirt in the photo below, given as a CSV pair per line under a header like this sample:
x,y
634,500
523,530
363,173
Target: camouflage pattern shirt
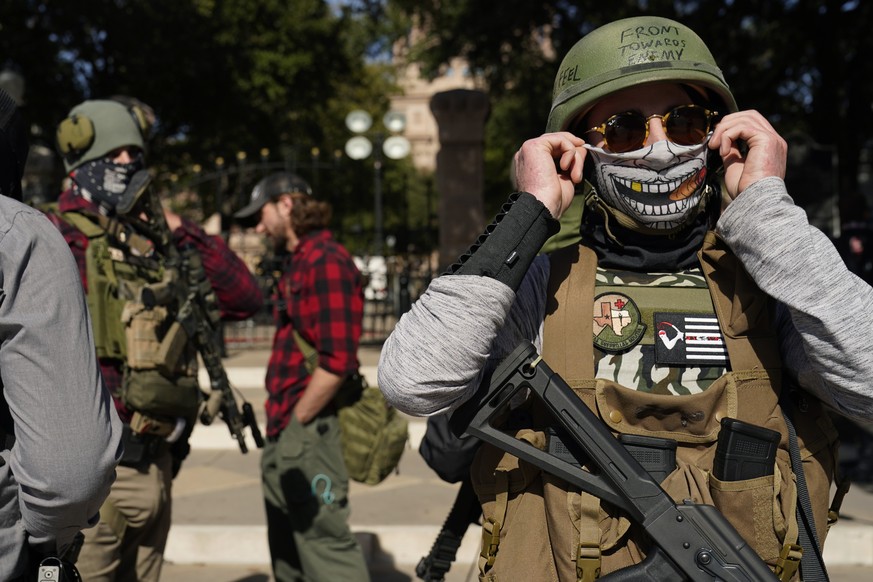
x,y
679,348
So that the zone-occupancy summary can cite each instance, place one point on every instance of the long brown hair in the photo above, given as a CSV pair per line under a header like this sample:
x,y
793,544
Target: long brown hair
x,y
309,213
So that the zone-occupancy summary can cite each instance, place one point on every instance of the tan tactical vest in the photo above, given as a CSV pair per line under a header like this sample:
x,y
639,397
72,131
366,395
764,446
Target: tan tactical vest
x,y
537,527
160,367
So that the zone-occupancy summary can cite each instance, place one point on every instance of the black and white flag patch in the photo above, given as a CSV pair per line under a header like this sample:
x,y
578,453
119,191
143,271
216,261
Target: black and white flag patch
x,y
688,339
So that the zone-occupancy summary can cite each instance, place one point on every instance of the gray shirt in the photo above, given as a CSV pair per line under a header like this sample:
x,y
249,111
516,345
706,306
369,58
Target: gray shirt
x,y
432,361
67,433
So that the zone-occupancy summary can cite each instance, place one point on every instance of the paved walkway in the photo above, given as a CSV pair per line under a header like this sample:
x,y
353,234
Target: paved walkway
x,y
218,531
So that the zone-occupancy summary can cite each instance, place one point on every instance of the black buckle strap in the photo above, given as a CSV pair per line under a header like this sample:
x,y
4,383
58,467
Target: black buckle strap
x,y
140,449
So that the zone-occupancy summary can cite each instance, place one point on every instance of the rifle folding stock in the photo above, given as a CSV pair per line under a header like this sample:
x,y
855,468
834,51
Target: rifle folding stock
x,y
693,542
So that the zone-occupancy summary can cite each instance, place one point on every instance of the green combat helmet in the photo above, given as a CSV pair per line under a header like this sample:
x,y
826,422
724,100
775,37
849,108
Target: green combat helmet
x,y
616,56
629,52
90,132
94,128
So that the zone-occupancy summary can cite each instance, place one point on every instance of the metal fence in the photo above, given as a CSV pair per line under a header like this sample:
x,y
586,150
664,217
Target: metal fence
x,y
391,284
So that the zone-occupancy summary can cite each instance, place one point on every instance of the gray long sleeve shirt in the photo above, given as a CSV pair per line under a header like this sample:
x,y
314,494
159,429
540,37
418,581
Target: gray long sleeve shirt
x,y
67,433
433,360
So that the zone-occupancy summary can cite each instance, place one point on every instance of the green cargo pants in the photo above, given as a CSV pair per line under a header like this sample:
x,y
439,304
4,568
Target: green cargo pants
x,y
306,490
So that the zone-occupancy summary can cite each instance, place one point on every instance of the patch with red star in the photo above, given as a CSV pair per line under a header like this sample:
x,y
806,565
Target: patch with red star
x,y
618,324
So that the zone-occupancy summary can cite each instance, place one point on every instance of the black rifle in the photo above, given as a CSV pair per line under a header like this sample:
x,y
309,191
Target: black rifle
x,y
465,510
197,318
693,542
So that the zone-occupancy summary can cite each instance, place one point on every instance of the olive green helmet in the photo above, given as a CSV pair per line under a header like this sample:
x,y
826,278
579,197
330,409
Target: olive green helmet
x,y
629,52
94,128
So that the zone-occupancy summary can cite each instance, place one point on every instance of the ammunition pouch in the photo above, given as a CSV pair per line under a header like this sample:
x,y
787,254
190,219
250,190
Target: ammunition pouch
x,y
154,341
140,449
158,381
153,393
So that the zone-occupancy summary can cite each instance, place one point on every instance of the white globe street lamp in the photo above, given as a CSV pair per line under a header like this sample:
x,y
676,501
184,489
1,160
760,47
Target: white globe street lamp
x,y
359,147
358,121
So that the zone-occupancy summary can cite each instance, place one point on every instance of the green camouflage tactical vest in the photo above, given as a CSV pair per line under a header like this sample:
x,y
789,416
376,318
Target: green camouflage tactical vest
x,y
160,371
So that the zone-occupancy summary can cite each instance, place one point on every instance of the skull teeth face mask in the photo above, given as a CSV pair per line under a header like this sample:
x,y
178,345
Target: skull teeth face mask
x,y
660,186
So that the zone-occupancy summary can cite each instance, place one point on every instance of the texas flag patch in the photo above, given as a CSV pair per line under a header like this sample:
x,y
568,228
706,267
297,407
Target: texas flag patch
x,y
688,339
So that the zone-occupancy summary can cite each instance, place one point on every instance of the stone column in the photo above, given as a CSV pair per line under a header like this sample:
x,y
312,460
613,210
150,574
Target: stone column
x,y
460,115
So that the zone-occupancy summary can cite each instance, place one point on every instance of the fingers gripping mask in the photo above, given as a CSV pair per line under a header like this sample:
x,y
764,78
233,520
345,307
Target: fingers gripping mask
x,y
659,187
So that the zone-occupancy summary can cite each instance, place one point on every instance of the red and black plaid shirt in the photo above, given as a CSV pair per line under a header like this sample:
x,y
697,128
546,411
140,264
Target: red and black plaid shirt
x,y
320,296
238,293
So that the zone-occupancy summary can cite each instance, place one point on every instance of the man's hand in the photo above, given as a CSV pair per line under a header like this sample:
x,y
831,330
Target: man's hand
x,y
322,387
174,221
766,156
549,167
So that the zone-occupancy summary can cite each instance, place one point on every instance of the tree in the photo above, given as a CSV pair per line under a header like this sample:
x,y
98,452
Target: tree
x,y
223,77
803,63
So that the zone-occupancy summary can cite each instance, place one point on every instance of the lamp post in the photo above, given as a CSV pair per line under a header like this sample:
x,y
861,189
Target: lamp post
x,y
219,189
359,147
315,153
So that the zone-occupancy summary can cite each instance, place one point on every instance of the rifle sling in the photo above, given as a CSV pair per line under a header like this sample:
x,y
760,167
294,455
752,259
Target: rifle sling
x,y
812,566
310,354
139,245
141,249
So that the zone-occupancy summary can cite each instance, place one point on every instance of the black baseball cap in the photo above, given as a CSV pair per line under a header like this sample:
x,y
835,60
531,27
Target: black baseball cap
x,y
271,188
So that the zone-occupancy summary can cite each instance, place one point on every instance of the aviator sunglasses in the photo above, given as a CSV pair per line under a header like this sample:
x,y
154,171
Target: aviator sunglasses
x,y
628,131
